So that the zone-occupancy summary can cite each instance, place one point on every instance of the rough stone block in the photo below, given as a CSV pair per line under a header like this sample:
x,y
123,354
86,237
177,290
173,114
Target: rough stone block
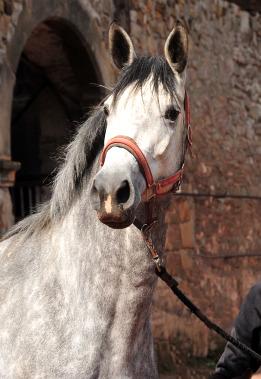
x,y
133,16
173,241
107,6
187,234
172,218
184,211
149,6
8,169
4,23
6,215
173,263
255,111
186,262
135,4
150,45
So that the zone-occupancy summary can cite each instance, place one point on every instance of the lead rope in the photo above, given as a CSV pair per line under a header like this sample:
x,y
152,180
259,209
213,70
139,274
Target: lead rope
x,y
173,284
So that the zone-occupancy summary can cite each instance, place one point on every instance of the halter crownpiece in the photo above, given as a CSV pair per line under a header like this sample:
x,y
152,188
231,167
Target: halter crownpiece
x,y
165,186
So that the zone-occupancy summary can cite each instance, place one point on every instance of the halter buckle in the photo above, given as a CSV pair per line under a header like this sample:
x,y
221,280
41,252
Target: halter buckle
x,y
149,196
176,186
189,135
189,139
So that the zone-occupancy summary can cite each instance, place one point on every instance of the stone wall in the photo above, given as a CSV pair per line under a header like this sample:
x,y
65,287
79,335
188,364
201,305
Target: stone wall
x,y
88,20
18,18
217,215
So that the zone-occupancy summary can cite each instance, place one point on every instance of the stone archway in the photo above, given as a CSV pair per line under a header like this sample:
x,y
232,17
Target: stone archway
x,y
87,20
56,84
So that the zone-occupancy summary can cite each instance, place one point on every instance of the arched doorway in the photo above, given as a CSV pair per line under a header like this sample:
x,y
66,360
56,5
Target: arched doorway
x,y
55,88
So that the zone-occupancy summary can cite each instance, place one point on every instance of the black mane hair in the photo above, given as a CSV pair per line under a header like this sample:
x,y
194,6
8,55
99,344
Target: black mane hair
x,y
76,159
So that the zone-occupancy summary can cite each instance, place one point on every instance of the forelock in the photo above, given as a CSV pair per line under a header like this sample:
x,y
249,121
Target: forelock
x,y
144,69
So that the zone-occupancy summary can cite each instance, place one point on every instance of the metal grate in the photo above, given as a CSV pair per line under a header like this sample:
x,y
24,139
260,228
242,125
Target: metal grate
x,y
26,198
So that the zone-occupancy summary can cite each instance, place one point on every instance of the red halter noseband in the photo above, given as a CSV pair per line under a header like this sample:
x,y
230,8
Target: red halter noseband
x,y
165,186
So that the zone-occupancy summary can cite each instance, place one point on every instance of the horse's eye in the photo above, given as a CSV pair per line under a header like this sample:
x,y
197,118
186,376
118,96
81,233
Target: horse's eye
x,y
171,114
106,111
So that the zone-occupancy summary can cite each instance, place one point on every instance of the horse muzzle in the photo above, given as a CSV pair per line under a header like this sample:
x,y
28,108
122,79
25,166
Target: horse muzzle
x,y
114,199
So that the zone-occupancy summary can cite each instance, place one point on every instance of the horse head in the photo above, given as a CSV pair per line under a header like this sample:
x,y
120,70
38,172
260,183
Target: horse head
x,y
146,108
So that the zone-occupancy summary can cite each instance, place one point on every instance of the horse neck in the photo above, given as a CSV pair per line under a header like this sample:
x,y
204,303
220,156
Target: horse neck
x,y
105,281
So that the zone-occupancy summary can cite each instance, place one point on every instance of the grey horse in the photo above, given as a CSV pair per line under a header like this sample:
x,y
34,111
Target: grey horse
x,y
76,278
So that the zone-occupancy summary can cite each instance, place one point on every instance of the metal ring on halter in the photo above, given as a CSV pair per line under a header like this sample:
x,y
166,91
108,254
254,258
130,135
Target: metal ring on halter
x,y
144,229
151,247
143,226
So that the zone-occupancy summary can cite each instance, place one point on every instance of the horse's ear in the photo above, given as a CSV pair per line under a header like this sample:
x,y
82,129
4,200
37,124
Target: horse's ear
x,y
176,48
120,46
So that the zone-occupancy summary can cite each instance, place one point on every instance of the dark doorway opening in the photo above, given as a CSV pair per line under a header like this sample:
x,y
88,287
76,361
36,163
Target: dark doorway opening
x,y
56,85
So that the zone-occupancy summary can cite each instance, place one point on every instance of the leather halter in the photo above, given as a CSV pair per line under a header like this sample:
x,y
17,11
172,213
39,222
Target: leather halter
x,y
165,186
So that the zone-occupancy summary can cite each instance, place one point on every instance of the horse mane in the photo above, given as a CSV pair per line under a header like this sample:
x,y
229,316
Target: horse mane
x,y
80,154
76,160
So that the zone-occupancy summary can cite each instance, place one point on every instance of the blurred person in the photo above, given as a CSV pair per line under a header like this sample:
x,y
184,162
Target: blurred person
x,y
234,363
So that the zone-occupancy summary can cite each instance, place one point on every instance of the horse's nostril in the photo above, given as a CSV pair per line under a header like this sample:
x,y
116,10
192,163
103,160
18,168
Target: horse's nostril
x,y
123,193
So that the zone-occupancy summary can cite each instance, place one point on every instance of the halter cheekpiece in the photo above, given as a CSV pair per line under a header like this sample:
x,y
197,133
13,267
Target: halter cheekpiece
x,y
162,187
